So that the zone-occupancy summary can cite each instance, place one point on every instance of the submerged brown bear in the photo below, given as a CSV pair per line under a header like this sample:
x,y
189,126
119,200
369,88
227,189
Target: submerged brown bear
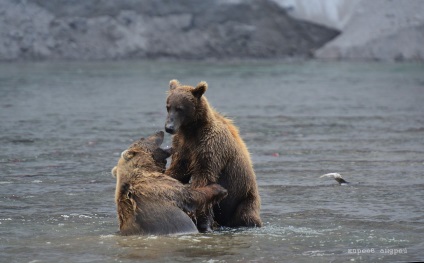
x,y
150,202
207,149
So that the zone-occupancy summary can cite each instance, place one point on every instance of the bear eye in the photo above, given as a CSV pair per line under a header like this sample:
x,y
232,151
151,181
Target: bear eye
x,y
179,109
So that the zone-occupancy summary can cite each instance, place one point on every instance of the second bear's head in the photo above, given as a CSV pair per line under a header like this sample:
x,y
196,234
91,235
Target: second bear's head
x,y
144,154
184,105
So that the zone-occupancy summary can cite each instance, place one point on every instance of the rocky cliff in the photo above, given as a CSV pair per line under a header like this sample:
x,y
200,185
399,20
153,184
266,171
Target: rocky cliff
x,y
387,30
185,29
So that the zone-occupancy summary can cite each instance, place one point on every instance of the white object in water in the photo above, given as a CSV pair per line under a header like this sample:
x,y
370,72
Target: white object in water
x,y
337,177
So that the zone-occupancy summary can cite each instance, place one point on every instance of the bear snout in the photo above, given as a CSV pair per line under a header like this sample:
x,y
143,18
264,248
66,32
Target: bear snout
x,y
170,129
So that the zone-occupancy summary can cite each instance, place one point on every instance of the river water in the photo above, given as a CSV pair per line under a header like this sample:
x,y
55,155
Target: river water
x,y
63,126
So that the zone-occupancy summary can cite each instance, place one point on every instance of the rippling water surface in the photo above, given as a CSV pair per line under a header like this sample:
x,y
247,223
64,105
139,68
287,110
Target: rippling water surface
x,y
63,126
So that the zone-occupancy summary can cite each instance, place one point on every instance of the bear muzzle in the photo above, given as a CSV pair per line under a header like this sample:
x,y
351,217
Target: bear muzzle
x,y
170,129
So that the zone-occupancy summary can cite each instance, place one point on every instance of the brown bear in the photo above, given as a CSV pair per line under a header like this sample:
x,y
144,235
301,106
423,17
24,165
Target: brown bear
x,y
207,149
150,202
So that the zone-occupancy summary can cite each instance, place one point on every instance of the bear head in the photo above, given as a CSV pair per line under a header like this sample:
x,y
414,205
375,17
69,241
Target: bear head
x,y
144,154
183,105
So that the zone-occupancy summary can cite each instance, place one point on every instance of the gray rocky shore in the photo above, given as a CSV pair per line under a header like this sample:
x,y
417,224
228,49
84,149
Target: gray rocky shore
x,y
126,29
387,30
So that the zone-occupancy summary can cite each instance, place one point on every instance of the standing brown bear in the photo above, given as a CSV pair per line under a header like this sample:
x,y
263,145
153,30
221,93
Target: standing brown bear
x,y
207,149
150,202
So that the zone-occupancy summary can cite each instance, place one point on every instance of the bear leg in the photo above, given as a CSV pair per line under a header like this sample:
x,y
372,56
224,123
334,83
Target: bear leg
x,y
204,221
246,214
204,198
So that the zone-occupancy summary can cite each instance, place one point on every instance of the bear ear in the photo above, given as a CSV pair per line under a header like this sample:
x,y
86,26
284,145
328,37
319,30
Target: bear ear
x,y
200,89
127,154
173,84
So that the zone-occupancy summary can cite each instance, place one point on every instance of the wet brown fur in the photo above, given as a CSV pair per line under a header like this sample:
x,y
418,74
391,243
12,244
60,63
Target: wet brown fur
x,y
150,202
207,148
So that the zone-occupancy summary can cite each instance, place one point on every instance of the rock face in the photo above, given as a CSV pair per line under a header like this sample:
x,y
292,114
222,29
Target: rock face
x,y
331,13
381,30
185,29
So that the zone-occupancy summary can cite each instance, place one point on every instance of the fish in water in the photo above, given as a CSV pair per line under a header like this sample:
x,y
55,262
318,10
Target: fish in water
x,y
337,177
